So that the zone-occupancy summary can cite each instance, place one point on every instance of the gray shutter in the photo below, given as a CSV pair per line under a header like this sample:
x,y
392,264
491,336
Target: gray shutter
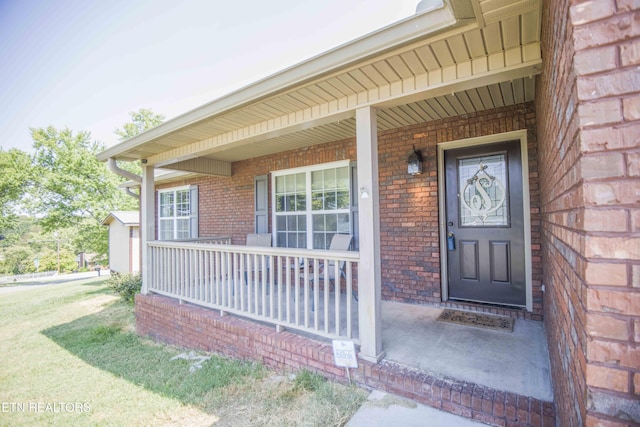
x,y
193,214
261,204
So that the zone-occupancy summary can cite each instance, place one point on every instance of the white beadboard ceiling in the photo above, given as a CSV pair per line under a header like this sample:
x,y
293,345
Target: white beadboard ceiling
x,y
474,65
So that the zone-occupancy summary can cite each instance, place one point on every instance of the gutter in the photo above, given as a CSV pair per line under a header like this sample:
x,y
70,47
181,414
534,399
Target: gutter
x,y
113,166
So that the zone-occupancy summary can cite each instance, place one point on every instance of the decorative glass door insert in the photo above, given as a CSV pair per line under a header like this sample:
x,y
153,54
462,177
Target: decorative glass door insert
x,y
483,191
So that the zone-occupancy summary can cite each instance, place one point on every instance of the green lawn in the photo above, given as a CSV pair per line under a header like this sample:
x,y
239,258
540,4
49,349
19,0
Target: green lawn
x,y
70,357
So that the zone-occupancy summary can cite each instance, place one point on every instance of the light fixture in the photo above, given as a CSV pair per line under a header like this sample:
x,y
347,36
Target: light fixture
x,y
364,193
414,162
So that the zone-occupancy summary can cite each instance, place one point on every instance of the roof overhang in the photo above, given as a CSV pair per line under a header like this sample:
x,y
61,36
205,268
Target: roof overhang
x,y
451,59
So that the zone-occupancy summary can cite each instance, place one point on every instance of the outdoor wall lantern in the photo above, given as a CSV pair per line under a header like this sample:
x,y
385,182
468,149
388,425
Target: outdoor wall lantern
x,y
414,162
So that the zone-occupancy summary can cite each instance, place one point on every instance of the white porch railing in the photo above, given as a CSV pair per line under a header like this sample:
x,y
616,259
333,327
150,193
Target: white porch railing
x,y
286,287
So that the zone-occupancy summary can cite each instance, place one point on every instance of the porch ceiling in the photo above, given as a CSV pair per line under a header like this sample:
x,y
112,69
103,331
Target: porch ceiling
x,y
439,65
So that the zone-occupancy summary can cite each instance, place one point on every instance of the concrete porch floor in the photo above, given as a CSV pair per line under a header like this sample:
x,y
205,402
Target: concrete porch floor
x,y
516,362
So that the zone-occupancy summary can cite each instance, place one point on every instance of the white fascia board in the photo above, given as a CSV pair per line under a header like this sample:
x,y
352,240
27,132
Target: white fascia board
x,y
411,29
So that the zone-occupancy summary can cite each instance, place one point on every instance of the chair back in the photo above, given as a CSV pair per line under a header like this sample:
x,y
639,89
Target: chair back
x,y
340,242
259,240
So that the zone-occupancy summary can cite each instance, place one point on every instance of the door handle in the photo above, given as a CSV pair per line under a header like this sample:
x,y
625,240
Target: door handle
x,y
451,242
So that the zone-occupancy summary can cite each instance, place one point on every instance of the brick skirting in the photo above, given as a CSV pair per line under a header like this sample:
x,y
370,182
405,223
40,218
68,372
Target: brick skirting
x,y
185,325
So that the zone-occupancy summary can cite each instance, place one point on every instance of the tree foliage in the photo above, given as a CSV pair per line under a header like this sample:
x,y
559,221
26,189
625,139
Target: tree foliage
x,y
72,188
15,178
67,189
141,121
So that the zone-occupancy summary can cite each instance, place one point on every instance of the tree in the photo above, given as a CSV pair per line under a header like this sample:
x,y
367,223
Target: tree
x,y
141,121
72,188
15,177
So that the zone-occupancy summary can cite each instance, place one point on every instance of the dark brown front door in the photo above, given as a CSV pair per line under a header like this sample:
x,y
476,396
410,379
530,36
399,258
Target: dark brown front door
x,y
485,224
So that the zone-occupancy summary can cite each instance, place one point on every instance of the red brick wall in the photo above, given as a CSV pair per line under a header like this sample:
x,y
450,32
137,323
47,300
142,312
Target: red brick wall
x,y
588,110
408,205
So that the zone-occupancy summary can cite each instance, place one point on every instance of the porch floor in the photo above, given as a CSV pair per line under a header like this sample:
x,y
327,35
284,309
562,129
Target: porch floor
x,y
516,362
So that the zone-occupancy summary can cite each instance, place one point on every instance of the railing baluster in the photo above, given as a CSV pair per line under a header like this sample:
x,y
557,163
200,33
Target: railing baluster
x,y
287,272
349,297
326,283
316,294
337,293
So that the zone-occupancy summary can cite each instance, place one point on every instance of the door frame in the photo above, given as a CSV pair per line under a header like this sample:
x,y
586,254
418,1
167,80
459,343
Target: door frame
x,y
520,135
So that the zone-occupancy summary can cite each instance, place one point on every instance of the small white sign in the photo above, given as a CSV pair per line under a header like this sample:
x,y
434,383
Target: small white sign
x,y
344,354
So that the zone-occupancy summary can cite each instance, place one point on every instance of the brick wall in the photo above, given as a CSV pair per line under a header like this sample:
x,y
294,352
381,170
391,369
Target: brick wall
x,y
408,205
588,111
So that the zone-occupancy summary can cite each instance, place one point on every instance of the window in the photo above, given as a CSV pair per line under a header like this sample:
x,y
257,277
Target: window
x,y
177,213
312,205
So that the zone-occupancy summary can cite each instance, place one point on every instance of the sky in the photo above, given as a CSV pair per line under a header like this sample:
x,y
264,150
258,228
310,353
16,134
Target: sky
x,y
86,64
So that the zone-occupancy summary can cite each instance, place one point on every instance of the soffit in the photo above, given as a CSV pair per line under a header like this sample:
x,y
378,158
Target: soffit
x,y
507,35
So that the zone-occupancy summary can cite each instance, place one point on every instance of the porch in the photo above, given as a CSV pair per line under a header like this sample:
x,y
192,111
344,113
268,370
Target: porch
x,y
282,316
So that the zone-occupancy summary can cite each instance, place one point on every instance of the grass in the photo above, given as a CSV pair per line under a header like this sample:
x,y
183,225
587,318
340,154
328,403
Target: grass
x,y
71,357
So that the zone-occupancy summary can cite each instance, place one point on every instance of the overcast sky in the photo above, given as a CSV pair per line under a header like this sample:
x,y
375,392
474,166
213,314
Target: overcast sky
x,y
85,64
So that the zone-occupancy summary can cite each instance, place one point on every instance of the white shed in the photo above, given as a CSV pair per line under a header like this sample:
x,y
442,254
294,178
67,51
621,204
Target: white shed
x,y
124,241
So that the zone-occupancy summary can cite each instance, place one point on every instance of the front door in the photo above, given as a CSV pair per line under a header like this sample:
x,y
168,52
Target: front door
x,y
485,224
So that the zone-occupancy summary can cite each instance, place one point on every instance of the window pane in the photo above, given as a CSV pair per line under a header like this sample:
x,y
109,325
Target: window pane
x,y
183,228
291,203
292,240
279,203
290,183
301,202
166,211
280,184
302,223
281,223
342,176
330,179
282,240
343,224
166,229
318,223
182,203
330,200
331,222
343,200
319,241
302,240
318,201
292,223
316,180
301,182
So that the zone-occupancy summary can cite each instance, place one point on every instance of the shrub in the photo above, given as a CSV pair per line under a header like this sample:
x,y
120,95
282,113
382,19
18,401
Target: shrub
x,y
127,285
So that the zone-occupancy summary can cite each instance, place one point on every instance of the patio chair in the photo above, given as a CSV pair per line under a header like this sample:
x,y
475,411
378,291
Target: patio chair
x,y
255,239
339,242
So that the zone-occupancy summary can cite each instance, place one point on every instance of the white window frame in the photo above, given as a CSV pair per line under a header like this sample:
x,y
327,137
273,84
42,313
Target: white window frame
x,y
174,218
309,212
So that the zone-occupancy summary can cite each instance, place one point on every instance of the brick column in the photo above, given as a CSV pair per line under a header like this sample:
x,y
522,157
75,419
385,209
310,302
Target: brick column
x,y
607,56
589,125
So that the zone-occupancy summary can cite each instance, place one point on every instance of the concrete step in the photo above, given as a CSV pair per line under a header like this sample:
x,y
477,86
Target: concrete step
x,y
466,399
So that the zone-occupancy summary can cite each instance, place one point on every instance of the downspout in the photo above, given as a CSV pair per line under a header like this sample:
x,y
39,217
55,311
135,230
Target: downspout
x,y
113,166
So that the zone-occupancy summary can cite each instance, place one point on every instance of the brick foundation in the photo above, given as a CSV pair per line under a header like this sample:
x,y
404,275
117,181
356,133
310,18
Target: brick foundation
x,y
185,325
